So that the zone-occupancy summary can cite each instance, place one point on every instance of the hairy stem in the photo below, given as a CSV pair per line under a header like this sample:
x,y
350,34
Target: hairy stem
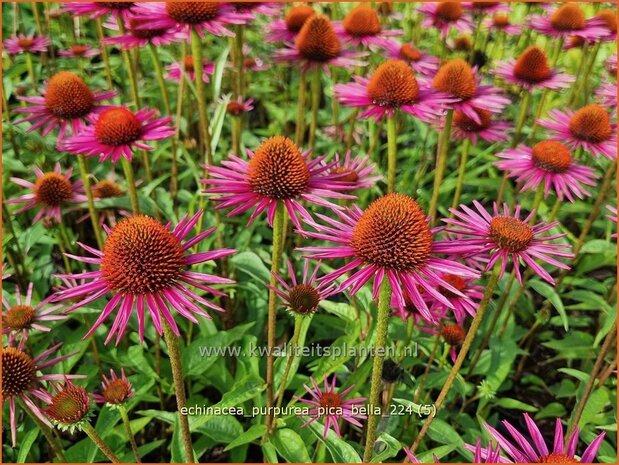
x,y
103,447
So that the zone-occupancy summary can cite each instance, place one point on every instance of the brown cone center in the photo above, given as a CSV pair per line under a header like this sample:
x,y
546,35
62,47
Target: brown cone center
x,y
117,391
453,334
393,84
192,12
304,299
68,97
552,156
117,126
106,189
467,124
557,458
18,372
510,234
568,17
19,317
362,21
456,78
296,17
52,189
317,40
409,53
591,124
532,65
69,406
449,11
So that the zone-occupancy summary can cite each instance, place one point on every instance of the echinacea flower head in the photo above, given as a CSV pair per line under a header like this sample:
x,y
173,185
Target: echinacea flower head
x,y
239,106
51,191
549,162
589,128
444,16
533,449
25,316
460,306
138,36
608,20
79,51
356,173
21,379
116,132
421,62
203,17
329,405
453,334
611,65
458,81
361,26
276,172
65,101
606,94
569,20
176,70
94,10
318,46
613,216
532,71
143,265
393,86
486,128
26,44
69,408
500,22
253,9
285,30
302,297
488,454
390,240
505,236
114,390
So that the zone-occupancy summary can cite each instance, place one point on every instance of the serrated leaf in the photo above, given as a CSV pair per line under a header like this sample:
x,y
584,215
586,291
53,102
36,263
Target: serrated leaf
x,y
550,293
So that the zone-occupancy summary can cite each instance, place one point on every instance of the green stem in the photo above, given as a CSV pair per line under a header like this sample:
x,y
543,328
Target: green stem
x,y
464,155
392,149
466,345
174,353
196,52
159,75
300,127
298,321
276,261
539,196
177,128
125,417
47,432
522,116
104,54
94,436
382,327
441,164
33,77
133,193
92,211
315,105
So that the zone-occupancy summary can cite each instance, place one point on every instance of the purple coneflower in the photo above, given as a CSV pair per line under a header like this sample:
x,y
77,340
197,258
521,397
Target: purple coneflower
x,y
392,87
611,65
486,8
137,36
613,216
568,20
421,62
142,264
114,390
590,127
50,191
332,406
65,101
505,235
23,44
460,306
276,171
361,27
79,51
116,132
21,379
445,15
356,173
203,17
482,454
391,240
500,23
25,316
69,408
486,128
520,450
285,30
531,71
608,20
549,162
175,70
239,106
606,94
103,189
252,9
119,10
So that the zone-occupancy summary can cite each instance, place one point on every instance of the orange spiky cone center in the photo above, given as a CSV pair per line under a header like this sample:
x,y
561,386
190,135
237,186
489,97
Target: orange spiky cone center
x,y
510,234
18,372
552,156
68,97
117,126
591,123
297,16
568,17
532,66
193,12
393,84
456,78
19,317
52,189
362,21
317,40
303,299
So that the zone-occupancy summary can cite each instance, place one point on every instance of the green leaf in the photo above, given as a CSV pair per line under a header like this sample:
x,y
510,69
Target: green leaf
x,y
507,402
389,447
269,452
250,263
290,446
253,433
26,444
550,293
552,410
598,400
218,73
580,375
340,450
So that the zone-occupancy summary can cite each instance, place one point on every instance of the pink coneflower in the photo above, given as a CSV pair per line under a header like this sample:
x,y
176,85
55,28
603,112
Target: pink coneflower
x,y
330,405
613,216
356,173
69,408
175,70
551,163
488,454
24,316
203,17
460,306
421,62
252,9
391,240
531,71
458,81
137,36
116,132
486,128
119,10
285,30
590,127
114,390
534,450
64,101
445,15
608,20
568,20
106,189
239,106
302,297
611,65
276,171
361,27
317,45
606,94
21,379
23,44
500,23
79,51
339,133
142,264
50,191
392,87
504,235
